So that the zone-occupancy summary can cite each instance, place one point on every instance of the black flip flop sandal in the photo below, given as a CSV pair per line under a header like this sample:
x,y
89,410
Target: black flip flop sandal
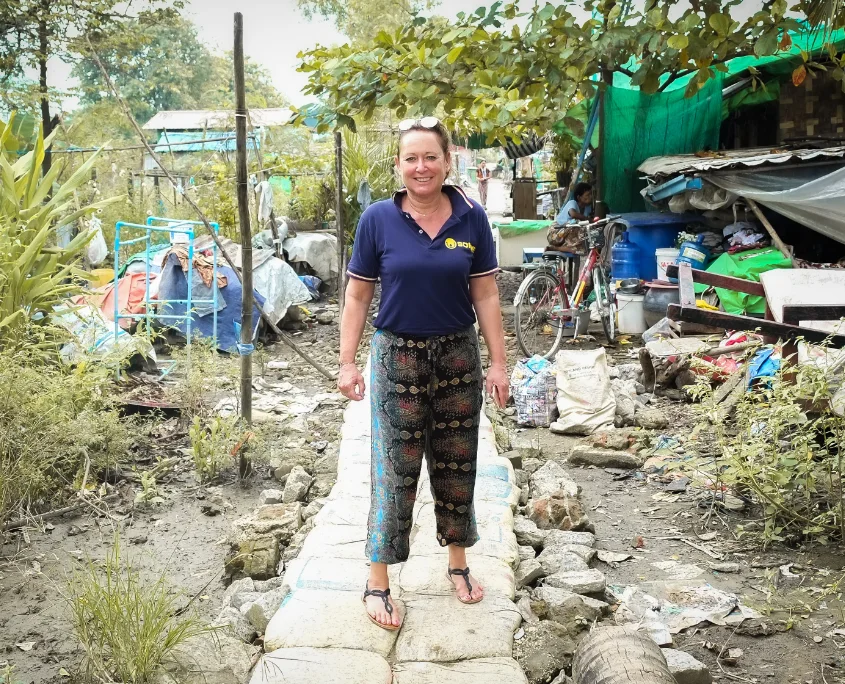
x,y
383,594
465,574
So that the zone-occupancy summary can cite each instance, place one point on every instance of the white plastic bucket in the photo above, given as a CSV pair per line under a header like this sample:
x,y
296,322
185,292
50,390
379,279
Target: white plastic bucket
x,y
665,257
630,316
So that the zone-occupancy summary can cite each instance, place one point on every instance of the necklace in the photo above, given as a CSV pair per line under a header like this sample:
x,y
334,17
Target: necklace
x,y
421,214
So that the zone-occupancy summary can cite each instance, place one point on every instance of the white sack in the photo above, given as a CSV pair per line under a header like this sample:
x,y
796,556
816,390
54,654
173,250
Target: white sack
x,y
584,395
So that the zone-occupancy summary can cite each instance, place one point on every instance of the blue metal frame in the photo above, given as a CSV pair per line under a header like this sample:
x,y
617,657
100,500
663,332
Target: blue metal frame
x,y
674,186
171,227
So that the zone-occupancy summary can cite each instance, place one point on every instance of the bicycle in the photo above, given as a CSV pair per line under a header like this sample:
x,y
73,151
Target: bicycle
x,y
543,305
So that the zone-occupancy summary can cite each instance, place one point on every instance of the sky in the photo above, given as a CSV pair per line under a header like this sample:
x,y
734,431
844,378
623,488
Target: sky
x,y
275,31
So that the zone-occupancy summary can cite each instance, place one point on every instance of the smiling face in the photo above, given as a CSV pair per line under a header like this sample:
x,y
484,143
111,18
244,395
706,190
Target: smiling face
x,y
422,163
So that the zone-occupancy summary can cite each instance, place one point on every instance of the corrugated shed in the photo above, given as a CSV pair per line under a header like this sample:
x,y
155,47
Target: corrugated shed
x,y
210,119
674,165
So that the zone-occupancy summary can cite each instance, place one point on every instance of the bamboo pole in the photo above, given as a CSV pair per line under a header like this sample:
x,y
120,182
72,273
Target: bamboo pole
x,y
769,229
341,235
113,88
246,235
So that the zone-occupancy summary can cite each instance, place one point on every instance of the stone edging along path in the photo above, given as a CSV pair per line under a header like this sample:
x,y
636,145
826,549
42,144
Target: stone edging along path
x,y
320,634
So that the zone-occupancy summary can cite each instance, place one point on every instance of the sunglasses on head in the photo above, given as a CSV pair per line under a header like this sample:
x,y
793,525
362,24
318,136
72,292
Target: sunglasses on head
x,y
425,122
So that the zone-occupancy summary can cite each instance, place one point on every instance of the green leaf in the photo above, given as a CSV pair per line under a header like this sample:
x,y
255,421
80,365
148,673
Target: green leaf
x,y
678,42
767,44
720,23
386,99
454,53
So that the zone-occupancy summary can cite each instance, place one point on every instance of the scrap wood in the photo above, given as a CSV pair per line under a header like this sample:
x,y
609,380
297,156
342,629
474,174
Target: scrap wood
x,y
728,386
284,337
23,522
769,229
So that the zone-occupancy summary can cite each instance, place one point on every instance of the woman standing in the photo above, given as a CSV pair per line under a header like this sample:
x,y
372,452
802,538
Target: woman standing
x,y
432,248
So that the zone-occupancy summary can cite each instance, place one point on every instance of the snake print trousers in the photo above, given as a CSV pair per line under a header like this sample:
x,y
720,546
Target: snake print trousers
x,y
426,399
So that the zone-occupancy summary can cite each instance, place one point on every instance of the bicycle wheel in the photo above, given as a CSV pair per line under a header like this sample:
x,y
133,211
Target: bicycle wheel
x,y
538,323
605,303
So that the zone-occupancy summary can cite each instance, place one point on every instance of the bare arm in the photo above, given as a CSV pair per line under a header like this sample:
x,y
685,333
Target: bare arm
x,y
359,295
484,294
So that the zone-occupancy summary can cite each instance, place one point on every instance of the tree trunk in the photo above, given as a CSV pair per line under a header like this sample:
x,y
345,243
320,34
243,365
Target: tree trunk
x,y
43,48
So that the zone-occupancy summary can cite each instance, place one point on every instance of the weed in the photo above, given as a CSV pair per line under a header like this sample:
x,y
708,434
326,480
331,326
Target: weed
x,y
784,451
125,626
200,381
55,420
149,488
211,444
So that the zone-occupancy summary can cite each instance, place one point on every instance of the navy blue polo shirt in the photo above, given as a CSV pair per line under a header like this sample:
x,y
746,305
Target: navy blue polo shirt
x,y
424,282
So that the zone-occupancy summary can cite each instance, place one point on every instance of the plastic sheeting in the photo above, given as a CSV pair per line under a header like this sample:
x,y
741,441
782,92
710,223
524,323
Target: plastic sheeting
x,y
318,250
278,283
818,203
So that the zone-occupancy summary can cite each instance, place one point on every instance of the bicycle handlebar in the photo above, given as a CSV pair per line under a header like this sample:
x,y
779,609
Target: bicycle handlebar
x,y
594,224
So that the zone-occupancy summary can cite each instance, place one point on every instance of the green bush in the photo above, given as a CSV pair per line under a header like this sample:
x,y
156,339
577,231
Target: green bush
x,y
53,420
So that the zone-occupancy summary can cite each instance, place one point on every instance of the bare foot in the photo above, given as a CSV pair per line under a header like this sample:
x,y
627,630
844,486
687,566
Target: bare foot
x,y
463,592
376,609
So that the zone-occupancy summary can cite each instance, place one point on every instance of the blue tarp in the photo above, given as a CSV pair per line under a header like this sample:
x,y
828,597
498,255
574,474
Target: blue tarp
x,y
197,137
174,285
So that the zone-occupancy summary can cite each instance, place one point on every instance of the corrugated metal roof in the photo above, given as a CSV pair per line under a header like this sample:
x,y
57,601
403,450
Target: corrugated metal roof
x,y
200,119
690,163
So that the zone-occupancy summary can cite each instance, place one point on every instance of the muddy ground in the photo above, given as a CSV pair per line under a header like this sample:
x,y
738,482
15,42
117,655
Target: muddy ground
x,y
184,536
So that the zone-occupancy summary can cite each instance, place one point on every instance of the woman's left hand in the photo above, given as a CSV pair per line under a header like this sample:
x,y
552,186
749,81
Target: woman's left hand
x,y
497,385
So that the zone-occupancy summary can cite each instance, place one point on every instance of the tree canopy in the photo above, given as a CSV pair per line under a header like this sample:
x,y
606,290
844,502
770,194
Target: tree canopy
x,y
164,66
359,20
505,71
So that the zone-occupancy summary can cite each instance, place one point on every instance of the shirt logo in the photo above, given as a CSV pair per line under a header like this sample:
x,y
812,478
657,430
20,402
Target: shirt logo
x,y
451,243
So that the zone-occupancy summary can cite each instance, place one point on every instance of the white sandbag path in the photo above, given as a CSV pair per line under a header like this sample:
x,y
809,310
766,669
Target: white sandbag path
x,y
321,633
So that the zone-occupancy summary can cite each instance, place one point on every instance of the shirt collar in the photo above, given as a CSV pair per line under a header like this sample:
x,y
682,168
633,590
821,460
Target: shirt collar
x,y
461,204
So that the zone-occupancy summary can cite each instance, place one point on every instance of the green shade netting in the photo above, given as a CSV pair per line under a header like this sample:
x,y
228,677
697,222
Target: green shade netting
x,y
748,266
521,227
640,126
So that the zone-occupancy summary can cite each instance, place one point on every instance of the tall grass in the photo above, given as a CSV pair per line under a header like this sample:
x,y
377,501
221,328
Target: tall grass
x,y
127,627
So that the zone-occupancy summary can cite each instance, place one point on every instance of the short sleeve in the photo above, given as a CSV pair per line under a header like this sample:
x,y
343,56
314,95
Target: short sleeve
x,y
364,264
484,260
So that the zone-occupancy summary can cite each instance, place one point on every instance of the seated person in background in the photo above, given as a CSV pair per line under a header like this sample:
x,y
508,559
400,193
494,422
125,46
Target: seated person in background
x,y
578,209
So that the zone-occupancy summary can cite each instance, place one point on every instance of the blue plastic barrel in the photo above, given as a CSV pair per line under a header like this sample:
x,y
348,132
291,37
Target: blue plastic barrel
x,y
694,253
625,259
652,230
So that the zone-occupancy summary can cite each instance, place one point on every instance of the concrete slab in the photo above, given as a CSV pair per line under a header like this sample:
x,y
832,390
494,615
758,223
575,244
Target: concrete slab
x,y
480,671
442,629
322,619
323,666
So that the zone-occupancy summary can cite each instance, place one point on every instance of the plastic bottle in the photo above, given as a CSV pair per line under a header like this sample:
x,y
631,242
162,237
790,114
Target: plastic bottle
x,y
625,259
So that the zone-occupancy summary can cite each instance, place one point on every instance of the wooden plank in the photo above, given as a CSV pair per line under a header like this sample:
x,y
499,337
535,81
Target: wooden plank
x,y
720,319
686,288
793,313
716,280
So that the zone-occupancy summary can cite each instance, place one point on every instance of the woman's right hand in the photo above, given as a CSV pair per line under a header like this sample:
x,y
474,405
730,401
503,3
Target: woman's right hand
x,y
350,382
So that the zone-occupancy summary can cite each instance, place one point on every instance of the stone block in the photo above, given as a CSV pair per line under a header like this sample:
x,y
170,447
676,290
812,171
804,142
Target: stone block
x,y
559,511
241,586
255,558
297,485
260,611
479,671
322,619
550,478
442,629
556,560
279,520
210,659
560,538
544,651
603,458
234,624
526,553
270,496
583,582
566,607
685,668
528,572
323,666
585,553
527,532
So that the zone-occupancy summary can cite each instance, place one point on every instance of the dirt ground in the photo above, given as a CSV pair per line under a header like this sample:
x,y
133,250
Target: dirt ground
x,y
185,537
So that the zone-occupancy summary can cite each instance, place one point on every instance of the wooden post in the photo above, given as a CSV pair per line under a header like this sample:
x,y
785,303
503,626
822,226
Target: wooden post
x,y
341,235
769,228
246,236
